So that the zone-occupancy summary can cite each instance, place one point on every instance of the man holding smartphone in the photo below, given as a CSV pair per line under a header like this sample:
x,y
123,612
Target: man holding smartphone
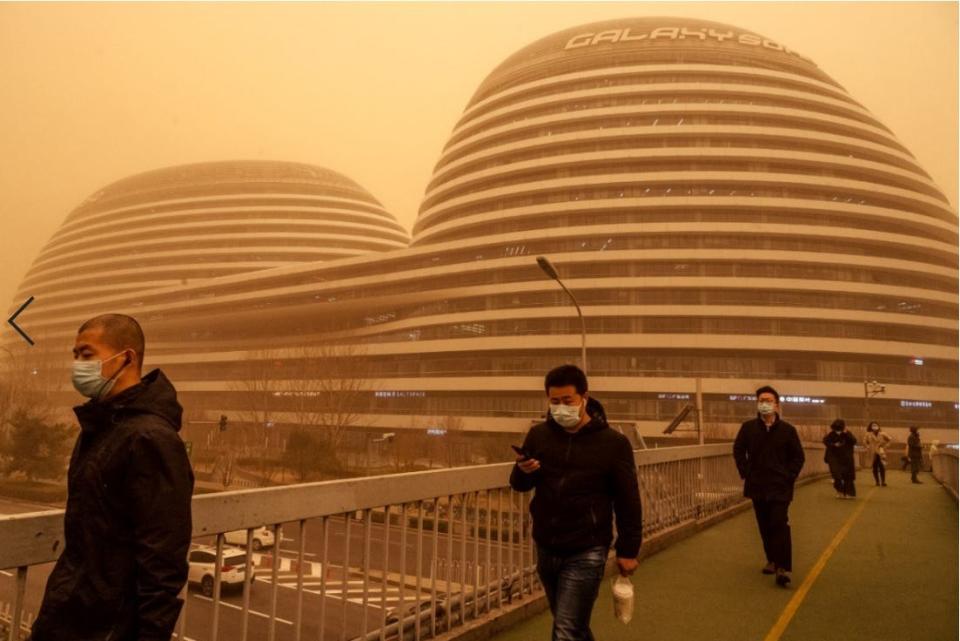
x,y
584,475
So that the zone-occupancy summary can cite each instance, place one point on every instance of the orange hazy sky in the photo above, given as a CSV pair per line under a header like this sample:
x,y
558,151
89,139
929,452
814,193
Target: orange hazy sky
x,y
91,93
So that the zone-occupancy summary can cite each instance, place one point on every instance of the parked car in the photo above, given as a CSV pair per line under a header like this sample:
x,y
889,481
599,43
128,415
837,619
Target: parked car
x,y
262,538
233,567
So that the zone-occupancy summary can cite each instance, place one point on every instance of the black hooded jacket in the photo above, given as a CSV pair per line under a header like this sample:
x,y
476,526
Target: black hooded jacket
x,y
127,526
584,478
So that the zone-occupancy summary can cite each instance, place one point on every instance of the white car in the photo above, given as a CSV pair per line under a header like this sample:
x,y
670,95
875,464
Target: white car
x,y
262,538
233,567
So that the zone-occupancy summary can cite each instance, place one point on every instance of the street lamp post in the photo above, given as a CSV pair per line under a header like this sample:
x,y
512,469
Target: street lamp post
x,y
549,270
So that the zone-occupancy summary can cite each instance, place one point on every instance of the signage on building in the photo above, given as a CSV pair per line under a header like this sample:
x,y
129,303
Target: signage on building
x,y
615,36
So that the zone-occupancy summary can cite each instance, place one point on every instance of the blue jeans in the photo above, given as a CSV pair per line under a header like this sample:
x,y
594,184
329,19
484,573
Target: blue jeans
x,y
571,582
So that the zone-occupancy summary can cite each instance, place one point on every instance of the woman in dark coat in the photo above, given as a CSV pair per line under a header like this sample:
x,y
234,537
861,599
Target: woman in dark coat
x,y
839,456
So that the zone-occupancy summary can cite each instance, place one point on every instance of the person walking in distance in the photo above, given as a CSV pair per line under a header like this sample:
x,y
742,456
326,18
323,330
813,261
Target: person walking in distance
x,y
839,457
769,458
915,453
584,474
127,525
877,441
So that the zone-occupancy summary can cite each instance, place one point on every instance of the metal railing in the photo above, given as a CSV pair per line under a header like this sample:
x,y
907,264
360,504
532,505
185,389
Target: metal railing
x,y
944,463
400,556
6,622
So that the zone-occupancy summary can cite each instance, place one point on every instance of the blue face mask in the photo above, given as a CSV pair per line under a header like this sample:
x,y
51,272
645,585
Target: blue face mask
x,y
88,377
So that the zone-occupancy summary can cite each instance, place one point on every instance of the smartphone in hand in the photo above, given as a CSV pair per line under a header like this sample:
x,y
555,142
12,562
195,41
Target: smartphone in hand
x,y
522,452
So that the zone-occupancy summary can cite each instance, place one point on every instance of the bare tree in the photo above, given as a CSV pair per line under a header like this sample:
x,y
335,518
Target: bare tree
x,y
453,443
327,387
495,448
224,468
259,398
30,378
322,388
408,446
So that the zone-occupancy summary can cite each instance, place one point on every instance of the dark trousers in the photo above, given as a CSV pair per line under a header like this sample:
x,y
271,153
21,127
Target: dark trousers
x,y
879,470
843,482
774,527
914,468
571,582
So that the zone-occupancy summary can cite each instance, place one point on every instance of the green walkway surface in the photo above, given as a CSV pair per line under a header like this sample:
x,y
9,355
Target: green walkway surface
x,y
893,576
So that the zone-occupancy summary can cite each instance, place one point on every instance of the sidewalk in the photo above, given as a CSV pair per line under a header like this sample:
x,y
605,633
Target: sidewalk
x,y
892,577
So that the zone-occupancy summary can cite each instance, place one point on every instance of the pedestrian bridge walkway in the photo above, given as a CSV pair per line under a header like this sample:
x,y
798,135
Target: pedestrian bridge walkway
x,y
882,567
447,554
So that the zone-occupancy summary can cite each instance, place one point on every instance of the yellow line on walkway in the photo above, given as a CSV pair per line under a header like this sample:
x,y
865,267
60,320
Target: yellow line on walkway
x,y
787,615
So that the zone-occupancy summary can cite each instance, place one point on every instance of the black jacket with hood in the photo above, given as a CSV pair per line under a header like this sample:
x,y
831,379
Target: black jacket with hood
x,y
769,459
127,526
584,479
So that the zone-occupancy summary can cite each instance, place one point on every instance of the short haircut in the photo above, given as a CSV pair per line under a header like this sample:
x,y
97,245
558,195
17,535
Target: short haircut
x,y
566,375
119,331
767,388
838,425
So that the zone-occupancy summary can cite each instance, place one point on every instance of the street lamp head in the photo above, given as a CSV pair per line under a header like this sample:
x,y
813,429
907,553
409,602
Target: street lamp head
x,y
872,388
547,268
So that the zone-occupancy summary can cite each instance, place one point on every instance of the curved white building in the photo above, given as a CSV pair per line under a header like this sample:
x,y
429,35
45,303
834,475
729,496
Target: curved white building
x,y
182,224
722,209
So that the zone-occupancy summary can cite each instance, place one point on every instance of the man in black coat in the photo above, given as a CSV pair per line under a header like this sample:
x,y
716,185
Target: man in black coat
x,y
127,526
915,453
769,457
838,456
584,474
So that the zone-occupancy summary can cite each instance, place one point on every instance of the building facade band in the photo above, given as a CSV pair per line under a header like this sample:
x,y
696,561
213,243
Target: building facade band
x,y
721,207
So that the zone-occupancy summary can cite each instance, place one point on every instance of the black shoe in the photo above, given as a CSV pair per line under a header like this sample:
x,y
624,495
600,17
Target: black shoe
x,y
884,484
782,578
917,482
769,568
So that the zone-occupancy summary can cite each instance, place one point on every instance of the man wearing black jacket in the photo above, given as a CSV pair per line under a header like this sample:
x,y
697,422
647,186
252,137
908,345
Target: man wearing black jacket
x,y
769,458
127,526
915,453
584,474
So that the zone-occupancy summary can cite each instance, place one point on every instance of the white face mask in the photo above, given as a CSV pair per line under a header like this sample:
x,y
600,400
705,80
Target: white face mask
x,y
566,415
765,408
88,377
